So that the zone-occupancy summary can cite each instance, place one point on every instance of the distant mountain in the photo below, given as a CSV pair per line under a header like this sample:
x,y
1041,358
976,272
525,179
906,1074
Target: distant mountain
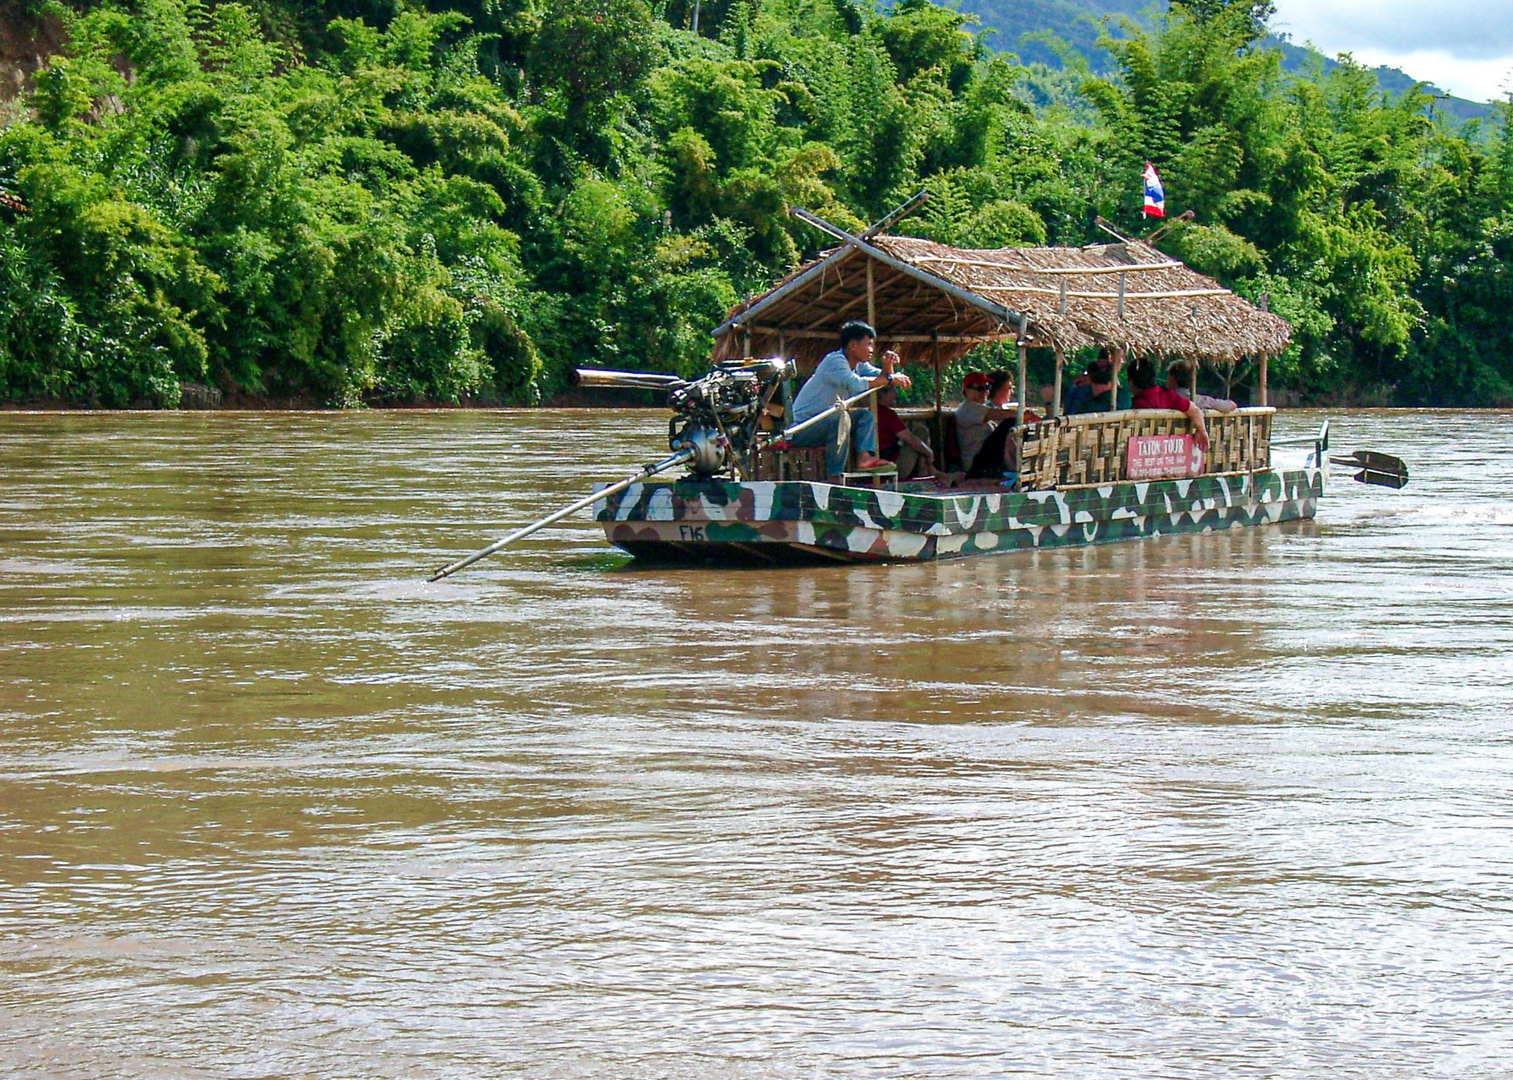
x,y
1393,80
1079,22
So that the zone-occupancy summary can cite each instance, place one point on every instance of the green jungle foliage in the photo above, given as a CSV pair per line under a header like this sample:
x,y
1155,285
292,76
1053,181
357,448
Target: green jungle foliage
x,y
368,201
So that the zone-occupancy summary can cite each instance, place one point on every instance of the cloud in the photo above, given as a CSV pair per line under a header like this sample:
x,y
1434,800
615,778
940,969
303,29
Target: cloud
x,y
1474,80
1465,29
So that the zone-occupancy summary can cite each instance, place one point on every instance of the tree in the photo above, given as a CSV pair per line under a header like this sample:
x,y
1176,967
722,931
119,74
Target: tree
x,y
588,56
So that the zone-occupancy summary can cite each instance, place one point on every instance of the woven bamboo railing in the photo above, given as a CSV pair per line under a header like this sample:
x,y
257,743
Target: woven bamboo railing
x,y
1091,448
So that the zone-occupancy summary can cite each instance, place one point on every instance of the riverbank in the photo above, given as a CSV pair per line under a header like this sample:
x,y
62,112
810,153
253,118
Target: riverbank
x,y
208,400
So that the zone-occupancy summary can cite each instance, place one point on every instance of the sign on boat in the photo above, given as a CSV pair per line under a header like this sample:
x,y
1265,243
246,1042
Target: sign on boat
x,y
751,495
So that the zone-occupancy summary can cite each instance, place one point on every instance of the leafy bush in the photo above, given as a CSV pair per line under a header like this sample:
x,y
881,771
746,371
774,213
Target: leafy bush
x,y
372,202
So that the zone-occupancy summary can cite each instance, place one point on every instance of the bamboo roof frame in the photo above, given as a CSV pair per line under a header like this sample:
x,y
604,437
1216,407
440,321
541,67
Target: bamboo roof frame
x,y
934,302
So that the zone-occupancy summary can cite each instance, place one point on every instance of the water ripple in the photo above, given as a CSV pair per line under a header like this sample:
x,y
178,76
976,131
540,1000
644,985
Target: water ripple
x,y
272,805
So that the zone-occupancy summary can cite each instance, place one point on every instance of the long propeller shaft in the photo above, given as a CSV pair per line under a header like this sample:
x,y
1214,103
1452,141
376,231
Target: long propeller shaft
x,y
681,457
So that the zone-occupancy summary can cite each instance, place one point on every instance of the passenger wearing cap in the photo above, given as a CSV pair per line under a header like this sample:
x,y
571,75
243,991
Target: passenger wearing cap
x,y
975,423
839,376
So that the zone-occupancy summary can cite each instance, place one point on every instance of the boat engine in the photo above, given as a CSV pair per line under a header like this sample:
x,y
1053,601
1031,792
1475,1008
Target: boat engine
x,y
716,415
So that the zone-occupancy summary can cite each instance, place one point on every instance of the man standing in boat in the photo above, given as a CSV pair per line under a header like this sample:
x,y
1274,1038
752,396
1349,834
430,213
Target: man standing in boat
x,y
836,376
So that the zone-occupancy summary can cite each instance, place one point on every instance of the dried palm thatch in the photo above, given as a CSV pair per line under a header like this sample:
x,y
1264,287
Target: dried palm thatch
x,y
932,303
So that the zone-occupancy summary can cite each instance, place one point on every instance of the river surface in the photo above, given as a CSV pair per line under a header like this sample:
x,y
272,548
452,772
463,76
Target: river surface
x,y
272,806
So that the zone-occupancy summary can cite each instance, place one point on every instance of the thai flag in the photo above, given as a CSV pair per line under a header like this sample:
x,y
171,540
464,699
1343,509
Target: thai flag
x,y
1155,194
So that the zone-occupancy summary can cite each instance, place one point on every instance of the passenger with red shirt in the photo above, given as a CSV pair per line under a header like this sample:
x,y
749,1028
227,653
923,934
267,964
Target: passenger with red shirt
x,y
889,426
896,443
1142,377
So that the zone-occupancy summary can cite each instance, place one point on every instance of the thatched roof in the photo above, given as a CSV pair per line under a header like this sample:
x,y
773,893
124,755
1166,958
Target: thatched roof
x,y
937,301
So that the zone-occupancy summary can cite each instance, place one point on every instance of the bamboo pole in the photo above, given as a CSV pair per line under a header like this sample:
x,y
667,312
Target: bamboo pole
x,y
818,269
871,298
940,432
872,322
966,296
1164,294
1265,306
809,334
1024,327
1056,270
1056,399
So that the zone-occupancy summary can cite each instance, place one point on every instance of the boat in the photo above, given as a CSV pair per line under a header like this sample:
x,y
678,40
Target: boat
x,y
1082,479
772,521
749,495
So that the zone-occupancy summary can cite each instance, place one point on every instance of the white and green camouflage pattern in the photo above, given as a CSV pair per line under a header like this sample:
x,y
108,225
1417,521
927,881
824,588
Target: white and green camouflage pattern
x,y
758,522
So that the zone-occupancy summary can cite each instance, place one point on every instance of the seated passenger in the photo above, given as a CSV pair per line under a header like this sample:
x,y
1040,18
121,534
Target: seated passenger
x,y
835,378
1150,396
1001,395
982,430
1077,393
898,443
1179,376
974,419
1094,394
1000,388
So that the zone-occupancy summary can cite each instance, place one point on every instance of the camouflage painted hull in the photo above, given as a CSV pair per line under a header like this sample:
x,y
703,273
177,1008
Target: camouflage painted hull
x,y
787,521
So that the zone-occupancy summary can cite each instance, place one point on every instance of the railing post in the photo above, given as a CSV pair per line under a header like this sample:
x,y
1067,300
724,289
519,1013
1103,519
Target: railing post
x,y
1056,399
1265,306
939,425
1024,327
872,322
871,298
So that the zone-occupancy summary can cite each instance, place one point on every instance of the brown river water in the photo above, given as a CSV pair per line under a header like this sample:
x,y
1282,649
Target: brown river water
x,y
272,806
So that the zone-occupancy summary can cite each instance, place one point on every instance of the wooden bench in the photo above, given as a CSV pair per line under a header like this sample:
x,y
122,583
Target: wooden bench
x,y
784,461
877,476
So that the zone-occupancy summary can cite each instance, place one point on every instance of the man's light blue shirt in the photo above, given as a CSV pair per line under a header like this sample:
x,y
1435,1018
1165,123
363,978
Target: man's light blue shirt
x,y
833,378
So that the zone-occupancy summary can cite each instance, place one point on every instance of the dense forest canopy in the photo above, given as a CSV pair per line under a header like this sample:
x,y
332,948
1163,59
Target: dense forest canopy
x,y
364,201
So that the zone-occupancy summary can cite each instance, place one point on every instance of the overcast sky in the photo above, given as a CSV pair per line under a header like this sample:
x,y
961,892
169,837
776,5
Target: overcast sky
x,y
1463,46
